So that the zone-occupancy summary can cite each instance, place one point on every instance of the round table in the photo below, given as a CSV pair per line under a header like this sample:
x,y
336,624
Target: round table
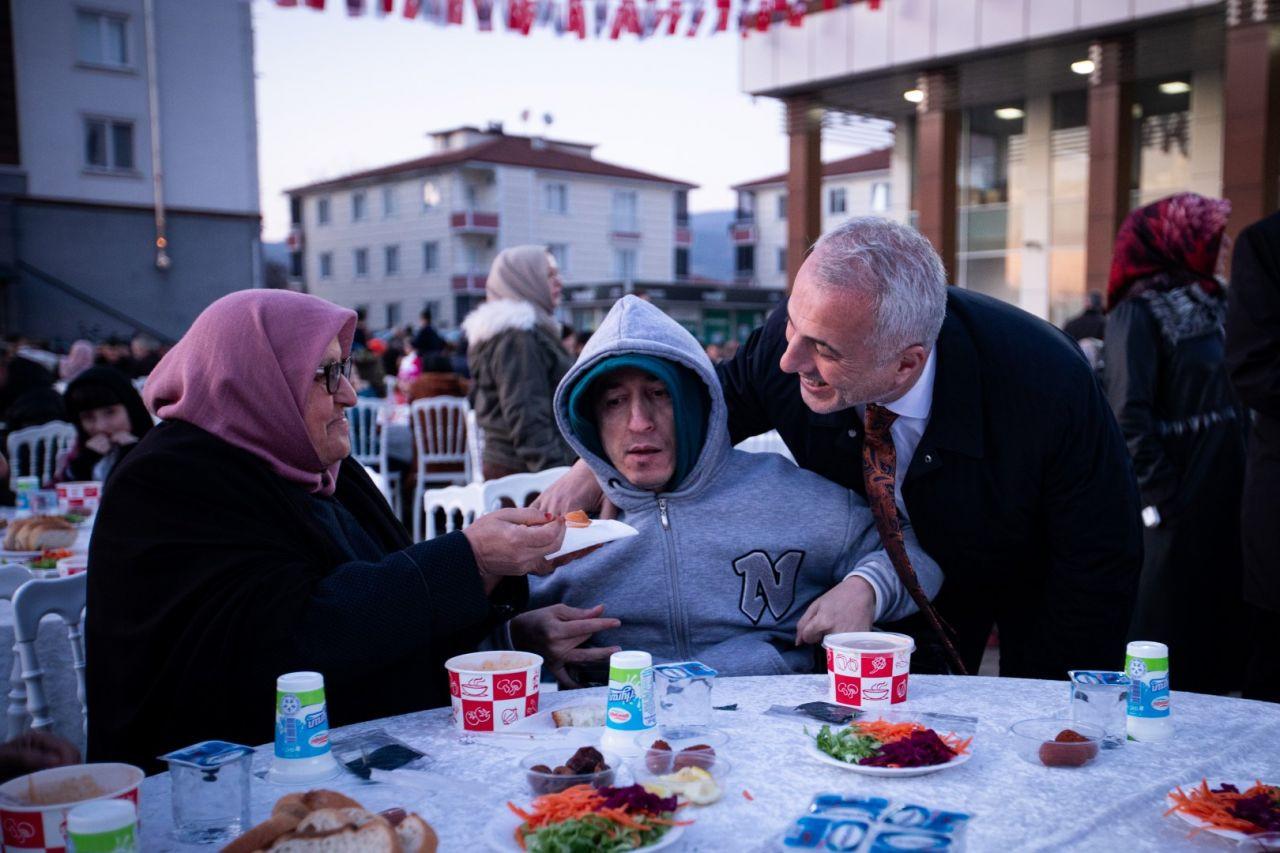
x,y
1116,803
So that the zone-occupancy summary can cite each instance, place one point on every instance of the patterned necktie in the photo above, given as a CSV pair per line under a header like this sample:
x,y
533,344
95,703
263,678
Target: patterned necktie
x,y
879,463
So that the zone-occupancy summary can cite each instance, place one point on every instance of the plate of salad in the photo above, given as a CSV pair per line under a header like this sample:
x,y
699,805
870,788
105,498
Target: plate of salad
x,y
885,748
609,820
1232,810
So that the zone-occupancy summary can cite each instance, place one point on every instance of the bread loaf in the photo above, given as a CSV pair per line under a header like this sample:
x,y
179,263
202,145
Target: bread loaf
x,y
329,822
38,533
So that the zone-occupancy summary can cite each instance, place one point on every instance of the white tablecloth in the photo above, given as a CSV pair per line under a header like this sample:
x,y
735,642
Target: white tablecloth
x,y
1116,803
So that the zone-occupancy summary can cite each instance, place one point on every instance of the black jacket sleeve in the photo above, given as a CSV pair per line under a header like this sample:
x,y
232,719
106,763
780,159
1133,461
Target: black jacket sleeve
x,y
1253,317
744,377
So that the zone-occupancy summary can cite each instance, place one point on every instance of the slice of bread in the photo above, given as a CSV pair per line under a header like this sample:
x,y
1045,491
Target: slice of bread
x,y
416,835
375,836
579,715
48,533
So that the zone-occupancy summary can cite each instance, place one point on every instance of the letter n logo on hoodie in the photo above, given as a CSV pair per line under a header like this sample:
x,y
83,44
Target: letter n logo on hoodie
x,y
765,582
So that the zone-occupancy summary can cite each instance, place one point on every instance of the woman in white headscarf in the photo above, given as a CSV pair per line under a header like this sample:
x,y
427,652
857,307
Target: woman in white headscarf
x,y
516,361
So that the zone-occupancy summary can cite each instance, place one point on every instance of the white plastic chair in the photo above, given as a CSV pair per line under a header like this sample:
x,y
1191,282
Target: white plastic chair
x,y
475,447
12,576
389,386
35,451
519,489
34,600
460,505
367,421
766,442
439,426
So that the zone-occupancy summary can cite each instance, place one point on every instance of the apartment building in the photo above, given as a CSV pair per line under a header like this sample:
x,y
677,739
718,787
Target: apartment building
x,y
853,186
128,164
423,233
1026,130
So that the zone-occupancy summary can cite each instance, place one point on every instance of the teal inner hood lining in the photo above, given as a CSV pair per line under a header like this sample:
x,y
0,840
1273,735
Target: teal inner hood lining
x,y
689,400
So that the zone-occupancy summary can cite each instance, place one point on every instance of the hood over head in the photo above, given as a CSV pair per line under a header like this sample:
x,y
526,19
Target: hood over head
x,y
637,334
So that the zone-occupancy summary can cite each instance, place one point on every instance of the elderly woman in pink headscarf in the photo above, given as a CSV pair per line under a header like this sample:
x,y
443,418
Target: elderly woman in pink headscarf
x,y
516,360
77,360
239,541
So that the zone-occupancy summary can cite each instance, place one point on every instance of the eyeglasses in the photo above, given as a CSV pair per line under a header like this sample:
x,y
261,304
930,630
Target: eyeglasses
x,y
334,374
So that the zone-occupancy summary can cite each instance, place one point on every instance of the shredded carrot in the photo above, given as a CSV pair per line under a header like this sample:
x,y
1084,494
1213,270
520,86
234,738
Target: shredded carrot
x,y
747,794
575,803
1213,807
887,732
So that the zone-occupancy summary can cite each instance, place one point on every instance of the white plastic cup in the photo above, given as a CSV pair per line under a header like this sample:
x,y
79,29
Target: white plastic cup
x,y
868,668
1149,713
302,751
103,826
630,708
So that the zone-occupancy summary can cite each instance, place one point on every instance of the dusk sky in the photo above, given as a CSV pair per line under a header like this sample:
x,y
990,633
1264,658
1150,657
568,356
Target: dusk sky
x,y
338,94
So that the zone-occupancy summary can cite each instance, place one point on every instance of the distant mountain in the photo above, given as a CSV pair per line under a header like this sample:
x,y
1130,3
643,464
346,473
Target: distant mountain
x,y
712,253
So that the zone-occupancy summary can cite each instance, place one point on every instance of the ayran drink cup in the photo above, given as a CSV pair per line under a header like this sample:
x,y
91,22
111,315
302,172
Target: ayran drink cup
x,y
210,791
103,826
303,754
868,668
683,694
1101,697
492,691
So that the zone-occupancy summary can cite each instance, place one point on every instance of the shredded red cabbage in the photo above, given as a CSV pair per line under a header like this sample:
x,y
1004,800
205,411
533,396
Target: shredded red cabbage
x,y
636,800
918,749
1260,810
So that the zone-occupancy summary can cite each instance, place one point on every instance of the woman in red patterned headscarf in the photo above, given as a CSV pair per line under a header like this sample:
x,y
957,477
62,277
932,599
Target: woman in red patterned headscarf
x,y
1185,429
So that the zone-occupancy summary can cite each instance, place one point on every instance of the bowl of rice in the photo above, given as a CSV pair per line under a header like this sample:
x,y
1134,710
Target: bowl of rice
x,y
33,808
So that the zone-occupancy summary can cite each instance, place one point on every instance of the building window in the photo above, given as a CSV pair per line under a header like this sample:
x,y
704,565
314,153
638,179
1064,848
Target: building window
x,y
992,179
391,259
782,206
881,196
108,144
362,262
1161,140
624,211
624,264
430,256
430,195
744,261
359,206
560,251
326,264
388,202
295,211
836,200
295,264
746,205
782,259
682,208
555,198
393,314
103,39
322,211
682,263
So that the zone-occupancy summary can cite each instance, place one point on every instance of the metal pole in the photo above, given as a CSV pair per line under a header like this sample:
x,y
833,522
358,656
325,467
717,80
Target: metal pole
x,y
163,260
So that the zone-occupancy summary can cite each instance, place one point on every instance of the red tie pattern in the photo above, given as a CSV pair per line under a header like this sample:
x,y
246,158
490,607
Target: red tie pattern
x,y
879,464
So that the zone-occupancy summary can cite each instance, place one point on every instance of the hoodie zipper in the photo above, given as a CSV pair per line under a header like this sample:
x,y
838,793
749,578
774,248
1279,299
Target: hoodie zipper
x,y
678,623
662,513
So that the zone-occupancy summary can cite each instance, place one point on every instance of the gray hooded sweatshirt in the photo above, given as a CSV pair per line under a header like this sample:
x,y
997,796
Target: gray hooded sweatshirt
x,y
727,562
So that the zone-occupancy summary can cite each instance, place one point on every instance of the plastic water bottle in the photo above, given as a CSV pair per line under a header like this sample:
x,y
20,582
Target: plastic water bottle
x,y
1147,665
630,708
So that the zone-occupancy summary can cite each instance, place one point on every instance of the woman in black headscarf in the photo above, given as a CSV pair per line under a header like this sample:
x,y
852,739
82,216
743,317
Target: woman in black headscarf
x,y
110,419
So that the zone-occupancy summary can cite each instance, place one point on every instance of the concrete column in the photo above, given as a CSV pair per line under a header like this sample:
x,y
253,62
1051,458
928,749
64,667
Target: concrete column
x,y
1037,209
804,181
1110,153
1251,111
937,140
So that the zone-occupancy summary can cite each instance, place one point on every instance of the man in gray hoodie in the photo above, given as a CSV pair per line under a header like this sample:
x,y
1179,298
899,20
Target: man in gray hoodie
x,y
743,559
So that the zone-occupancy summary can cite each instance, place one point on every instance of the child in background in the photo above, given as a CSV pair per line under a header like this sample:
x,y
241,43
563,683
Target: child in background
x,y
110,418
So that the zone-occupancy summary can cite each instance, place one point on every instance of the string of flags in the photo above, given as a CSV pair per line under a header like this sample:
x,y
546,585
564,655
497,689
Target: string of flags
x,y
611,19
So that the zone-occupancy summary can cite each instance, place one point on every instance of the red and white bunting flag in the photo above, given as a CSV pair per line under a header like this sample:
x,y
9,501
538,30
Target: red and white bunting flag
x,y
627,19
696,15
453,11
318,5
873,5
602,16
763,16
673,17
286,3
796,17
484,15
649,18
722,16
384,7
355,8
577,19
412,8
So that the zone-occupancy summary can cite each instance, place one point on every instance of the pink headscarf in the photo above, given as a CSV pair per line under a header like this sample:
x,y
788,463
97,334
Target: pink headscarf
x,y
243,371
77,360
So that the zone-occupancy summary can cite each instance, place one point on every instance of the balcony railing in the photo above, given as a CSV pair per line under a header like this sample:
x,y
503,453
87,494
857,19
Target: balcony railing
x,y
473,221
467,281
743,232
684,236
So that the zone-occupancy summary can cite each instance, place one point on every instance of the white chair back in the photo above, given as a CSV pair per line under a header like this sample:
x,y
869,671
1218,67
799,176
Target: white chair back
x,y
475,447
35,451
389,386
12,576
766,442
457,505
64,597
519,489
439,426
367,421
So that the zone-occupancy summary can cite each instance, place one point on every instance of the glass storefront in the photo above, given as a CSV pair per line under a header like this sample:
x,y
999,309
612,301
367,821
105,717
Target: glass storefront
x,y
991,178
1161,138
1068,212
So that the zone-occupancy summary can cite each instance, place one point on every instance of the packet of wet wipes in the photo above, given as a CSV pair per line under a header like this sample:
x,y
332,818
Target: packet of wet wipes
x,y
825,712
377,750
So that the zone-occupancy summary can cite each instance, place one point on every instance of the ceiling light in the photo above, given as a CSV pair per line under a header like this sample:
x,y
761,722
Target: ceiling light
x,y
1175,87
1009,113
1082,66
915,96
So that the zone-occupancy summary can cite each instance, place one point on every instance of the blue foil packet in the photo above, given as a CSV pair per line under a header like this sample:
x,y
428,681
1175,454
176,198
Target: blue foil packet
x,y
850,822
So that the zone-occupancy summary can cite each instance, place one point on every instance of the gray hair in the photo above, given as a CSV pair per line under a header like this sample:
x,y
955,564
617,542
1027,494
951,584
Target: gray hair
x,y
897,269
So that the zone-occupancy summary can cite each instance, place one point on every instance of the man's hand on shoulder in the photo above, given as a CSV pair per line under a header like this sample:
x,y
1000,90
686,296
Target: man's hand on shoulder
x,y
558,631
848,606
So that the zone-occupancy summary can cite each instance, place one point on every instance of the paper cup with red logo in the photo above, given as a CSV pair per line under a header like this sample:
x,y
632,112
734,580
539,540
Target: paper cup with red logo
x,y
79,496
868,668
42,826
73,565
492,691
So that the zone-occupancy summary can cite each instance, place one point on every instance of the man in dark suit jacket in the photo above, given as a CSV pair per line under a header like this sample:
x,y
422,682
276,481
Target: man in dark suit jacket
x,y
1253,357
1011,467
